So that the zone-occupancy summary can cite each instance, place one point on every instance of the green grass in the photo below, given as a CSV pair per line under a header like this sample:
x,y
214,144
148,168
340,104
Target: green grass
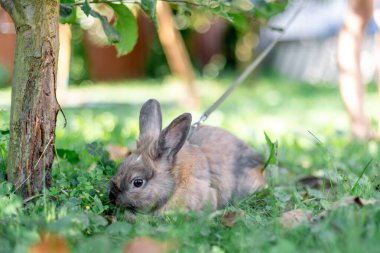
x,y
308,122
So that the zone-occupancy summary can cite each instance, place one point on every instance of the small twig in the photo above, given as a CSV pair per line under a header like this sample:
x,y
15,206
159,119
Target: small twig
x,y
64,116
30,198
101,2
35,166
132,2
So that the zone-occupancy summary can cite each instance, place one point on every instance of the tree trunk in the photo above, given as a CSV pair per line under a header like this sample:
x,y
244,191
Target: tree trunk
x,y
34,106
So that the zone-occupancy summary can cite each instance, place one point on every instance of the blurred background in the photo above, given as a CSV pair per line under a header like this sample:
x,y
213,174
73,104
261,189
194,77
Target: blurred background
x,y
306,52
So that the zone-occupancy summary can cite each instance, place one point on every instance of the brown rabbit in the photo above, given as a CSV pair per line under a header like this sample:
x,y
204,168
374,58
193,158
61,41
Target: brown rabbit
x,y
168,171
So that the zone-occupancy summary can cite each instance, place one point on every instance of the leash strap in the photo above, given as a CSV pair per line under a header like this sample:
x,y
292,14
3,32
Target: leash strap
x,y
245,74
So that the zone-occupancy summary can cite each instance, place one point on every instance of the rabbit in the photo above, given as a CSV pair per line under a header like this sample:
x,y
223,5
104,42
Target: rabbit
x,y
169,170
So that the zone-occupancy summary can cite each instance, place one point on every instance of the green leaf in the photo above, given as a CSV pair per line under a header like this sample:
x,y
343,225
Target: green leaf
x,y
94,149
6,188
273,147
97,220
4,132
267,9
98,207
239,21
127,27
86,8
112,34
67,14
221,12
149,6
65,10
69,155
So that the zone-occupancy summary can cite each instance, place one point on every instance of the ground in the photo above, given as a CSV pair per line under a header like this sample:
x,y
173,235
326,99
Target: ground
x,y
307,121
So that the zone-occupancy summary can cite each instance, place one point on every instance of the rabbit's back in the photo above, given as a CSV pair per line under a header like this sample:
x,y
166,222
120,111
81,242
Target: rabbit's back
x,y
235,168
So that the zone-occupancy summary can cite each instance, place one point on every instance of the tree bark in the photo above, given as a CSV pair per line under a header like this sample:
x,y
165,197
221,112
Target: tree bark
x,y
34,106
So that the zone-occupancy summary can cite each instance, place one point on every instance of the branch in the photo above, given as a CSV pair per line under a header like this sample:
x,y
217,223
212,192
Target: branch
x,y
8,6
131,2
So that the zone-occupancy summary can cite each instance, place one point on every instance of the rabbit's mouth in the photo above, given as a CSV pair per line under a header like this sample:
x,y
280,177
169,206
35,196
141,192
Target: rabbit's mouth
x,y
131,208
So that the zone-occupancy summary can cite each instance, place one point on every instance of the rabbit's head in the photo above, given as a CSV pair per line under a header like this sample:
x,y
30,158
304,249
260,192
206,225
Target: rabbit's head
x,y
144,180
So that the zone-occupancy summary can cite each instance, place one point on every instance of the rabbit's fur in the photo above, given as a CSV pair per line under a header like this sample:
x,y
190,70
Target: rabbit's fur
x,y
167,171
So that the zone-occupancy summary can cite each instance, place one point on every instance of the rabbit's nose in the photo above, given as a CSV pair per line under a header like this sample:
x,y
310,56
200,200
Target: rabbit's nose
x,y
112,197
114,192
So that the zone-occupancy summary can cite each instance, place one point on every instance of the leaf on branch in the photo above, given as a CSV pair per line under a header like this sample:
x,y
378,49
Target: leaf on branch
x,y
126,27
149,6
267,9
111,33
65,10
67,14
86,8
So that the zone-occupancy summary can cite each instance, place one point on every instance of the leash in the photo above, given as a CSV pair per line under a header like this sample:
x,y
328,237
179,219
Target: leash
x,y
245,73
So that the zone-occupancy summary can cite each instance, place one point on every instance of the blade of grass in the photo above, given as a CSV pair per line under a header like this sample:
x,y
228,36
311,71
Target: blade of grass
x,y
273,146
361,175
315,137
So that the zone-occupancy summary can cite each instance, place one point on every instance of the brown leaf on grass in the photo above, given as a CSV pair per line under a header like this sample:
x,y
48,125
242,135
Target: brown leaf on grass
x,y
117,152
50,243
230,218
353,200
295,217
147,245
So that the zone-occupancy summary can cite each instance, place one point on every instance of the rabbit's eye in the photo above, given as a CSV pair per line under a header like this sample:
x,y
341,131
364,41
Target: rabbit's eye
x,y
138,182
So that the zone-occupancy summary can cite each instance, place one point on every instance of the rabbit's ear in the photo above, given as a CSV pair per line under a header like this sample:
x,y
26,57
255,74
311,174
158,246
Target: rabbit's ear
x,y
150,119
174,136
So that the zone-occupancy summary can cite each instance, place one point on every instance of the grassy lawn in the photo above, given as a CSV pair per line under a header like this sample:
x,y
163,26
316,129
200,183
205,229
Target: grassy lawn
x,y
308,122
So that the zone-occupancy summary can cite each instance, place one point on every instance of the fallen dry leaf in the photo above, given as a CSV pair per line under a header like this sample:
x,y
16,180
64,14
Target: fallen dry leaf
x,y
50,243
295,217
344,202
117,152
147,245
353,200
230,218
